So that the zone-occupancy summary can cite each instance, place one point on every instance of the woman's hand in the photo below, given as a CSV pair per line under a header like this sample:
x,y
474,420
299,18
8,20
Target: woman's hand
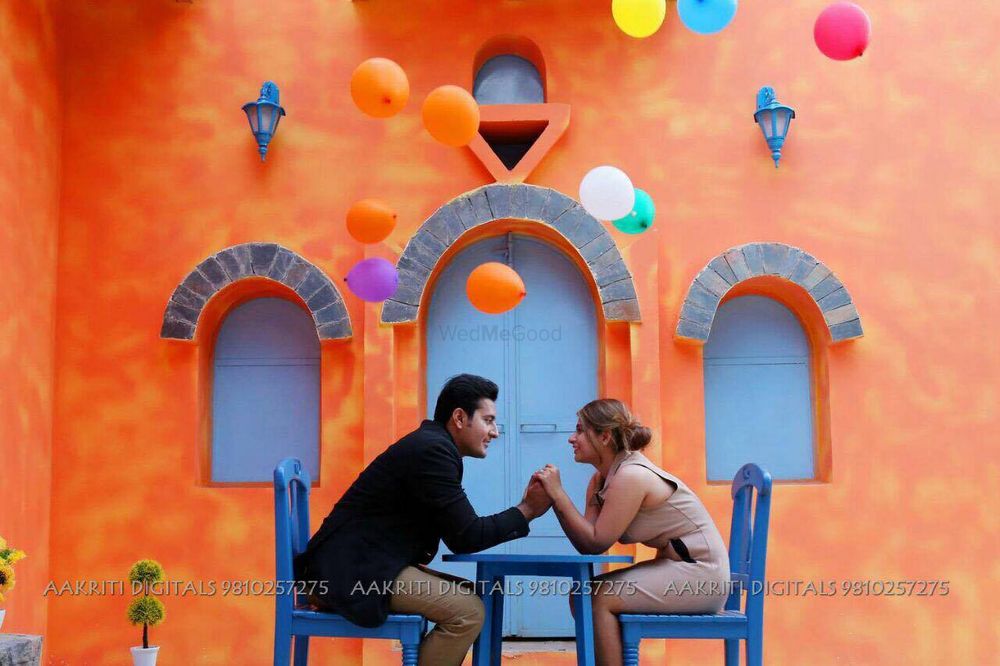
x,y
549,477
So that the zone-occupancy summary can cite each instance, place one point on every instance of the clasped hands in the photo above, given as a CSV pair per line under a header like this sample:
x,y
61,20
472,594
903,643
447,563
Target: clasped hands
x,y
543,489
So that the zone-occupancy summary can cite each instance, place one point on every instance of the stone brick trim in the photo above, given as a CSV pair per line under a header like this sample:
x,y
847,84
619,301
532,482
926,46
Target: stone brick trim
x,y
758,259
268,260
526,202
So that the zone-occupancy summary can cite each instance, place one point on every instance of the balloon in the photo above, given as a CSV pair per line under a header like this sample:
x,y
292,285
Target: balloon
x,y
370,221
373,279
706,16
607,193
494,288
639,18
842,31
641,217
451,115
379,87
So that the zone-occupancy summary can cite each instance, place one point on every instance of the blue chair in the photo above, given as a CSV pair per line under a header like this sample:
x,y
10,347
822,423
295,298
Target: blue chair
x,y
747,555
291,534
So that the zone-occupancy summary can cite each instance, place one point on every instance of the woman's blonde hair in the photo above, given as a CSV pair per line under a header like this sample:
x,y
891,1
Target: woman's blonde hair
x,y
610,415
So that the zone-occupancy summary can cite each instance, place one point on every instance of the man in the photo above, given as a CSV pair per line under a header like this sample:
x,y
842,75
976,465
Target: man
x,y
370,550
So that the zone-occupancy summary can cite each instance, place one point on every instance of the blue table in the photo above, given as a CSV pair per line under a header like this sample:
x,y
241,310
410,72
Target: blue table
x,y
491,571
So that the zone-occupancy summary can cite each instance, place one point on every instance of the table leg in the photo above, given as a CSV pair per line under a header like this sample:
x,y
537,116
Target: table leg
x,y
481,648
584,615
496,628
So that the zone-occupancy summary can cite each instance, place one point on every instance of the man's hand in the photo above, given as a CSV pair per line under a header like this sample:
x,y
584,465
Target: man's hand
x,y
550,480
535,501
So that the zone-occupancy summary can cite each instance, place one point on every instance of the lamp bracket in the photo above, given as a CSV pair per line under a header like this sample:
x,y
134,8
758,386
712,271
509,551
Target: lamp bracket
x,y
269,93
765,97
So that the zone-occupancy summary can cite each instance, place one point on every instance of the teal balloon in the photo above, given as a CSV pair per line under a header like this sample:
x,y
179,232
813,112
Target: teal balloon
x,y
706,16
640,218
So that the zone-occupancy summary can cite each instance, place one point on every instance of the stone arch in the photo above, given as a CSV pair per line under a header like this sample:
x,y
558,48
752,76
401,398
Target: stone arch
x,y
527,202
267,260
753,260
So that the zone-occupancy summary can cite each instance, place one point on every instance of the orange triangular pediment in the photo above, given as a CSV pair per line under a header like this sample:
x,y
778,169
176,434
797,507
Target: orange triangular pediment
x,y
513,139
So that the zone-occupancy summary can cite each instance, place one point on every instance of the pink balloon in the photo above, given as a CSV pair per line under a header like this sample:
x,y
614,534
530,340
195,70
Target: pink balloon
x,y
373,279
842,31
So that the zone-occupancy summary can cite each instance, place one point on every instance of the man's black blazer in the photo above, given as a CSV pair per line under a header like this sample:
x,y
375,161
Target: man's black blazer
x,y
394,515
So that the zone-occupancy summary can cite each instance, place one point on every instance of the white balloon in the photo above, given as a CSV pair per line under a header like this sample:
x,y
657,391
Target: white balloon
x,y
607,193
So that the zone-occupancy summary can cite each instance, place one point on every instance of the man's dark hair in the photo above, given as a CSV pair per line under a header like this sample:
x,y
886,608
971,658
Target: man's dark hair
x,y
463,391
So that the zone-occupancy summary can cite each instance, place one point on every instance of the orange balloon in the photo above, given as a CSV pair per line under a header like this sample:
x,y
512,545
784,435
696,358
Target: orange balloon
x,y
451,115
379,87
370,221
494,288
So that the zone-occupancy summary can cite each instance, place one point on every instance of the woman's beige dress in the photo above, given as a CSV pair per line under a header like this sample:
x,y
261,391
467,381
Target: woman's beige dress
x,y
682,527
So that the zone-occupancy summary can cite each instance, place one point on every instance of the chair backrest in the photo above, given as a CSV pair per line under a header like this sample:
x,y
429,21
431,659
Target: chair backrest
x,y
748,538
291,524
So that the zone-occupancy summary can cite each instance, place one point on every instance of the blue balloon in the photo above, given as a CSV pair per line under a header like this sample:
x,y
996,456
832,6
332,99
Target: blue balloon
x,y
706,16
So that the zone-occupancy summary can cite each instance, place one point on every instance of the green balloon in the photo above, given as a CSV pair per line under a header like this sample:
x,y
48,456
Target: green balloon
x,y
640,218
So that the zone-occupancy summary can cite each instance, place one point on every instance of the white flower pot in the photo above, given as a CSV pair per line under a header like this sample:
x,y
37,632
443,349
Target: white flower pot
x,y
3,612
144,656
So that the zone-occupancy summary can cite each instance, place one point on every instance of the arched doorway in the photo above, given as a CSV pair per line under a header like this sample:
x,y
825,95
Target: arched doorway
x,y
544,356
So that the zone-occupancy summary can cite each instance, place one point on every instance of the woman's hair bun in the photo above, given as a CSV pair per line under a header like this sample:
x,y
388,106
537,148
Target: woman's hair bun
x,y
610,415
637,436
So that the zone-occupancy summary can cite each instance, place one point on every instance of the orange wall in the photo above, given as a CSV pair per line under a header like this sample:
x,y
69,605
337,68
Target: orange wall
x,y
29,192
884,179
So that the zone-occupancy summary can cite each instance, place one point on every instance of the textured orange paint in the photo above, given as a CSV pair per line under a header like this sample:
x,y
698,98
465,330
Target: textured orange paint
x,y
886,177
29,216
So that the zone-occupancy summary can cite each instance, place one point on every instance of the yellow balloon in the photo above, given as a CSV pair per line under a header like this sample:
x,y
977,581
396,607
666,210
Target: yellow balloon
x,y
639,18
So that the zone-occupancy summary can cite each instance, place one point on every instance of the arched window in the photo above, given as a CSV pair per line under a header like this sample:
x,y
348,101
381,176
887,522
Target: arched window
x,y
265,394
758,391
508,79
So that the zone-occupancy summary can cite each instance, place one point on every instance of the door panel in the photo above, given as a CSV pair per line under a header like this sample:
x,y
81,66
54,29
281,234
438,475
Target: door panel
x,y
460,339
266,391
543,355
758,391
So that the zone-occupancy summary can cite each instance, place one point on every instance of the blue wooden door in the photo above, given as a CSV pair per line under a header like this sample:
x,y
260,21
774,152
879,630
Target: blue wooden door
x,y
758,397
543,355
265,393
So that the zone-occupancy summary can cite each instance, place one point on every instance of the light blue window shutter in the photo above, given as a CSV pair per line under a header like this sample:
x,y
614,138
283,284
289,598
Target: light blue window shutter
x,y
758,391
266,386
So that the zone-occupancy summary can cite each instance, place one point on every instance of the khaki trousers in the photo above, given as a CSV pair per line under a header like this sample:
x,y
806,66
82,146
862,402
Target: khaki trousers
x,y
448,601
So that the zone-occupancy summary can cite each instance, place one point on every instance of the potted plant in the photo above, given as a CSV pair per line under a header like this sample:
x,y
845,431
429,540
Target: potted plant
x,y
8,557
145,610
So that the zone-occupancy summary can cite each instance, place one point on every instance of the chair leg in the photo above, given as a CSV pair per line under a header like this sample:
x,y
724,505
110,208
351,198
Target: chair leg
x,y
410,637
732,652
282,648
755,642
755,650
301,650
630,653
410,653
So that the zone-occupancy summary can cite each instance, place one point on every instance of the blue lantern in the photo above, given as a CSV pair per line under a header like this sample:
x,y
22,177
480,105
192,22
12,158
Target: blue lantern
x,y
773,118
264,115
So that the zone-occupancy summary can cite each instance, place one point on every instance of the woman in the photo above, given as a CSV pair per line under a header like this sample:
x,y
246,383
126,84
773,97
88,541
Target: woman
x,y
631,500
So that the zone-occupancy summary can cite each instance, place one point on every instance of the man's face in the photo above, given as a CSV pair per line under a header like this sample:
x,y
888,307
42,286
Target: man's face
x,y
473,435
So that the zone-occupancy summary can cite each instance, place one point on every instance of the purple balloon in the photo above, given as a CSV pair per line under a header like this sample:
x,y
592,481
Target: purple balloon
x,y
373,279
